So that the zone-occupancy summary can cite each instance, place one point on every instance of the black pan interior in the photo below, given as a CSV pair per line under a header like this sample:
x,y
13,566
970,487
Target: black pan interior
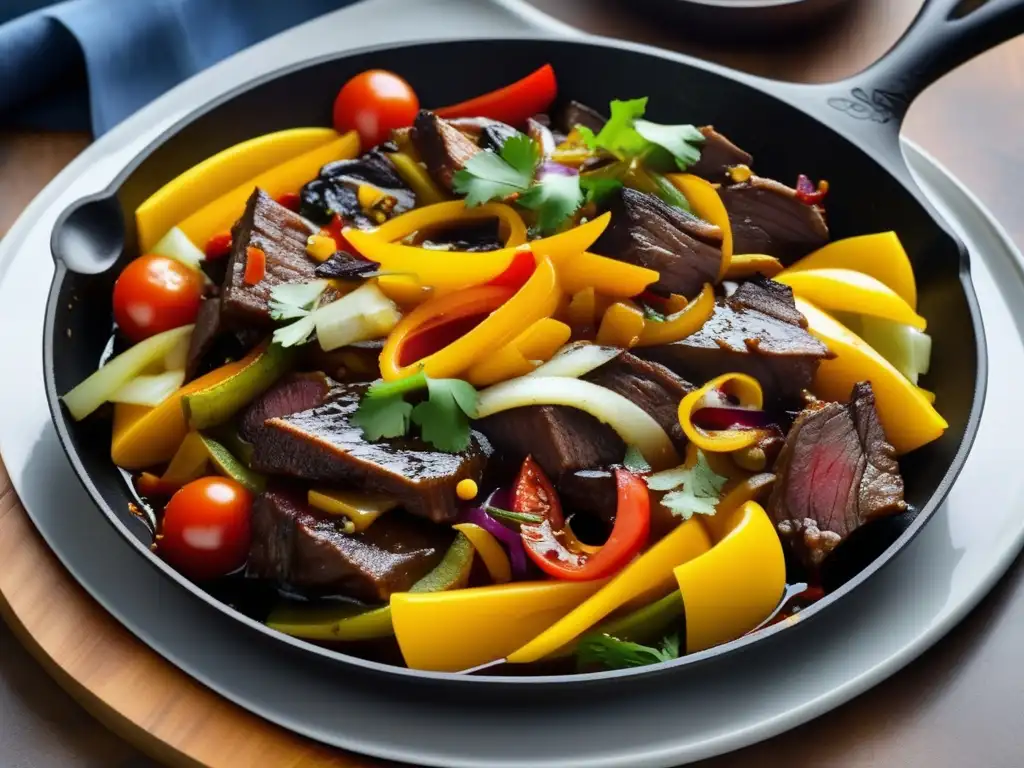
x,y
785,141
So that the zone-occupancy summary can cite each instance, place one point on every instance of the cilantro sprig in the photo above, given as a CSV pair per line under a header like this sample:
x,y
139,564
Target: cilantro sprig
x,y
612,653
443,418
692,490
295,301
512,174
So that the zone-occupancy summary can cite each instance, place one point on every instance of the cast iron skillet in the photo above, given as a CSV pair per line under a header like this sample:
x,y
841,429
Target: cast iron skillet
x,y
733,21
846,132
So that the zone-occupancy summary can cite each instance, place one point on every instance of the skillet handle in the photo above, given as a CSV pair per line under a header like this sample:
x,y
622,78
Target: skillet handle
x,y
945,34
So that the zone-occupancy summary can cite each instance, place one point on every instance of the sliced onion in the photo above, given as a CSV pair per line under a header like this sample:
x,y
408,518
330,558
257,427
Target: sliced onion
x,y
364,314
513,541
150,389
576,359
101,386
176,358
632,423
176,245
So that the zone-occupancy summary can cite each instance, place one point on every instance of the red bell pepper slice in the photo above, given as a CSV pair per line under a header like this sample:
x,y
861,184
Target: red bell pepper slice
x,y
518,272
512,104
550,543
218,246
255,265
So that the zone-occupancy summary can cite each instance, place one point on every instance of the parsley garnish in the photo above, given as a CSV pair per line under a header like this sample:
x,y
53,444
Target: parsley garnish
x,y
693,490
627,135
510,174
443,417
295,301
613,653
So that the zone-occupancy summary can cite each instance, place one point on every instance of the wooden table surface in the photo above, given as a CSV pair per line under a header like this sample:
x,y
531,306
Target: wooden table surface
x,y
960,704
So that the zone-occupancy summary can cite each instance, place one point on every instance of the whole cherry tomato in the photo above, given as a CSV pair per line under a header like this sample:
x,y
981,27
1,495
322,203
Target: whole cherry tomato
x,y
155,294
374,103
206,529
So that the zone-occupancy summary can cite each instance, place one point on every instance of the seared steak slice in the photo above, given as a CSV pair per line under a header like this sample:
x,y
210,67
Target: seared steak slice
x,y
298,546
323,444
208,328
574,113
295,393
767,217
835,473
644,230
443,147
281,235
783,357
560,438
769,297
717,156
335,189
590,490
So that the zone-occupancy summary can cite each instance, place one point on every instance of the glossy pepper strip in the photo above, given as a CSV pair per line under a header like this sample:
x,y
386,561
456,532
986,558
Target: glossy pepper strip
x,y
419,180
548,545
454,212
621,325
738,385
490,551
537,299
684,323
536,345
707,203
512,104
747,265
452,270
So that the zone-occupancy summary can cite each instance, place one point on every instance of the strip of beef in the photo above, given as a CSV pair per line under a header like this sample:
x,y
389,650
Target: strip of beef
x,y
335,191
575,113
717,156
484,132
297,392
835,473
781,355
208,328
443,147
767,217
564,440
299,547
355,362
323,444
281,234
769,297
646,231
590,490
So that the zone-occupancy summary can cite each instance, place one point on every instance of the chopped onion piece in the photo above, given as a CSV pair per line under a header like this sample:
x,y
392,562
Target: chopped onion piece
x,y
633,424
576,359
364,314
150,389
176,245
176,358
907,348
101,385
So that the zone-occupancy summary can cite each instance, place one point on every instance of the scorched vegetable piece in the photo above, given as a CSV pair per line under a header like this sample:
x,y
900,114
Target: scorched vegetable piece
x,y
512,104
364,190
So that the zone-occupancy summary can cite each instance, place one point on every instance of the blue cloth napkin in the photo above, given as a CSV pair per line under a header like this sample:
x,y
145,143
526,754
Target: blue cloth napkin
x,y
88,64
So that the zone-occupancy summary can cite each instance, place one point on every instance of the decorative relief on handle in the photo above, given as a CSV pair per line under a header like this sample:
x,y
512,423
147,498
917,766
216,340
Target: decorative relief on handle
x,y
878,105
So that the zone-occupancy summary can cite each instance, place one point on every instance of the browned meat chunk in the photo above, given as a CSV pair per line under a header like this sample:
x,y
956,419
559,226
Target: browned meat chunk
x,y
767,217
574,113
443,147
298,547
336,190
717,155
646,231
297,392
769,297
835,473
281,235
208,328
323,444
590,490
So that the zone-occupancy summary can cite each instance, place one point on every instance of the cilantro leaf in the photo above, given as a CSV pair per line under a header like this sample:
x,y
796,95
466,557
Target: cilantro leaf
x,y
444,417
555,198
291,300
613,653
597,189
635,461
618,135
489,176
692,490
383,416
683,141
296,333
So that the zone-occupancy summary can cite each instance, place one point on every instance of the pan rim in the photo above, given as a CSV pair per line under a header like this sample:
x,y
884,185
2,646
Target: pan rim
x,y
60,419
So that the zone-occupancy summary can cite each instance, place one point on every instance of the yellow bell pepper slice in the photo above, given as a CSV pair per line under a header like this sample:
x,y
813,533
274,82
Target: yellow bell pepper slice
x,y
419,180
684,323
689,540
608,277
537,299
220,214
189,462
739,385
219,174
843,290
144,436
452,631
621,325
362,509
536,345
907,417
581,312
879,255
490,551
927,394
510,222
744,265
452,270
707,203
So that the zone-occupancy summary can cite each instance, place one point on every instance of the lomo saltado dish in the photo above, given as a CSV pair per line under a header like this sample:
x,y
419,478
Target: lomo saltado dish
x,y
516,378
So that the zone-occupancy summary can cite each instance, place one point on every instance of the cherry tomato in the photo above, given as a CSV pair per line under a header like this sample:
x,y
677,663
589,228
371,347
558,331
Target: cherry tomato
x,y
374,103
154,294
205,530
